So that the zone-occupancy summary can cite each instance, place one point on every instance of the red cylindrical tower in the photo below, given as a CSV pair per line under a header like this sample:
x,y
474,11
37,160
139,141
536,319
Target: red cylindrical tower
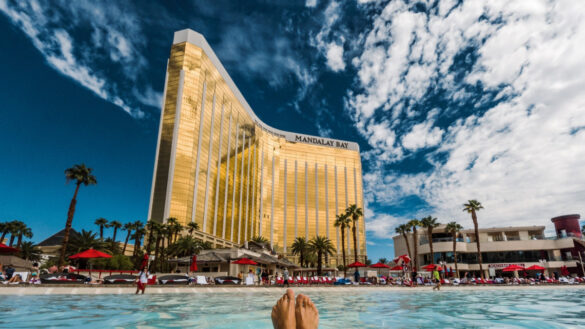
x,y
567,225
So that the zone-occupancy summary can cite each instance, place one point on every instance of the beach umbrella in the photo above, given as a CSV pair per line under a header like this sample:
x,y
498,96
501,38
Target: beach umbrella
x,y
564,270
397,268
357,264
379,266
244,261
536,268
6,249
193,267
90,253
404,258
429,267
512,268
144,262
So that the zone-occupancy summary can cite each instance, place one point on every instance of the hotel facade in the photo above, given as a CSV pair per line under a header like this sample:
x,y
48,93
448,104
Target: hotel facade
x,y
502,246
218,165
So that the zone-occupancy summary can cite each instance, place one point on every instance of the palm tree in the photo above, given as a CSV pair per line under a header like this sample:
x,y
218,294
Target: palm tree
x,y
85,240
321,245
13,230
4,228
430,223
368,261
101,222
342,221
151,227
128,227
414,223
383,260
23,230
473,206
354,213
259,239
191,227
29,251
81,175
186,246
172,225
300,247
454,229
116,225
404,229
139,233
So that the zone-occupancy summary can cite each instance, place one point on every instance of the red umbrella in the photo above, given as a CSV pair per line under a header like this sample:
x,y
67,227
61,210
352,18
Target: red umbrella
x,y
245,261
397,268
90,253
6,249
144,263
357,264
429,267
564,271
193,267
379,265
404,258
536,268
512,268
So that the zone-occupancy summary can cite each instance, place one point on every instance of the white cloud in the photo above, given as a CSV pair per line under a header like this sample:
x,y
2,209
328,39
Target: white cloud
x,y
335,57
81,59
311,3
382,226
522,158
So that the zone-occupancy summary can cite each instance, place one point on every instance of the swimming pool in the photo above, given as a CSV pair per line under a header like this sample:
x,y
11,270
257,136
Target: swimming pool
x,y
534,308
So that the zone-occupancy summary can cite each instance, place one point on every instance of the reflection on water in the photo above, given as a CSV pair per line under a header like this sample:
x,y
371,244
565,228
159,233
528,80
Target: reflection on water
x,y
349,309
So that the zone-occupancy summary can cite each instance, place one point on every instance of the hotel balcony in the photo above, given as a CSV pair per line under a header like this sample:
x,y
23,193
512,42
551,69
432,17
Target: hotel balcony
x,y
439,245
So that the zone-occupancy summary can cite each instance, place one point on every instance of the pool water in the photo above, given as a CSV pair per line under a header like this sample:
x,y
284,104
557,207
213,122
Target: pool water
x,y
538,308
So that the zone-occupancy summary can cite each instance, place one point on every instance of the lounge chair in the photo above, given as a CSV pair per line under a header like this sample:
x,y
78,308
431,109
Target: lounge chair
x,y
200,279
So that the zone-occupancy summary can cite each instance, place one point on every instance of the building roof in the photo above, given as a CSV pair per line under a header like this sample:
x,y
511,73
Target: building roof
x,y
57,238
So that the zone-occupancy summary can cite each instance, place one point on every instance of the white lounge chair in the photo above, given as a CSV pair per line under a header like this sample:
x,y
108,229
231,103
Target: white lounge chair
x,y
249,281
201,280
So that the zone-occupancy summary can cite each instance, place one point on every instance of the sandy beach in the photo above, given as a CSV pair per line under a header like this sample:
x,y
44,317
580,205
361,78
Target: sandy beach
x,y
127,289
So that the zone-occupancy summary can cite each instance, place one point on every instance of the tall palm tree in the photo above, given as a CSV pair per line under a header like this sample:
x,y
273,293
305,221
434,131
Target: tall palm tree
x,y
23,230
342,221
13,227
192,227
404,229
414,223
139,233
128,227
81,175
383,260
116,225
300,247
85,240
172,223
472,207
354,213
151,227
430,223
321,245
101,222
29,251
4,228
454,229
186,246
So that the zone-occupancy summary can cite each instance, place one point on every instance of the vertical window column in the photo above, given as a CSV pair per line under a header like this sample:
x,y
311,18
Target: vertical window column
x,y
218,173
208,169
227,179
284,213
235,182
241,186
197,161
248,183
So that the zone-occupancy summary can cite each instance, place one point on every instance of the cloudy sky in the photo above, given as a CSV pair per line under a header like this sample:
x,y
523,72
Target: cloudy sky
x,y
449,100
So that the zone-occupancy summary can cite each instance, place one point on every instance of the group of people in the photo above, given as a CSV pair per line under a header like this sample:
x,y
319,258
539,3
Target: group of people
x,y
9,275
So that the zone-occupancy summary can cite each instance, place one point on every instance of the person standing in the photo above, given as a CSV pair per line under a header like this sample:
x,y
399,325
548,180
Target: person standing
x,y
356,276
285,274
437,279
142,281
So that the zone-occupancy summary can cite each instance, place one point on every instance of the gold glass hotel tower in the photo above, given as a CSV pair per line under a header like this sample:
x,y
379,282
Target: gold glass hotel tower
x,y
218,165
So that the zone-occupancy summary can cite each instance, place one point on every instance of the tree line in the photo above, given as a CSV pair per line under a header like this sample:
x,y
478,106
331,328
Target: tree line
x,y
430,223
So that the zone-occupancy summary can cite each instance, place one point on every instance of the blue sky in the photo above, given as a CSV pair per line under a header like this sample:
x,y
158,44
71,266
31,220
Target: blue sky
x,y
449,101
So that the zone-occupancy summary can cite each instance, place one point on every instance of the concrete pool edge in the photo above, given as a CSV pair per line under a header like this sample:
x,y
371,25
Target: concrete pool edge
x,y
125,290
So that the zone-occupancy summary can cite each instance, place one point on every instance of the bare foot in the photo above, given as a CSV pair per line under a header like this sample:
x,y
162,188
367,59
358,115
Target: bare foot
x,y
306,313
283,313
